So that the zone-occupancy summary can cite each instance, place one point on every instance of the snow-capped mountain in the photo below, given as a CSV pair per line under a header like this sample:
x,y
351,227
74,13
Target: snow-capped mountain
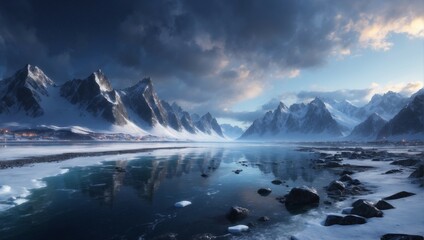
x,y
230,131
143,101
32,100
23,91
368,129
300,121
96,95
408,123
386,105
208,124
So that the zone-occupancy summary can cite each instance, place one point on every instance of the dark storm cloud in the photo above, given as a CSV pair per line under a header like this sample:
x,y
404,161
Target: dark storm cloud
x,y
203,53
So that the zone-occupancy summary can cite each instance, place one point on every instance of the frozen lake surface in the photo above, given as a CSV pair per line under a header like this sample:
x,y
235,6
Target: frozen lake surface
x,y
132,196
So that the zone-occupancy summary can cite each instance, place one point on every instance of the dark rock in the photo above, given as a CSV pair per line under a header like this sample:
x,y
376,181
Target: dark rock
x,y
352,219
398,195
398,236
345,178
301,197
348,172
366,209
319,161
405,162
204,175
393,171
332,220
237,213
333,164
336,185
355,182
326,202
263,219
264,191
383,205
238,171
277,182
360,201
418,173
346,220
204,236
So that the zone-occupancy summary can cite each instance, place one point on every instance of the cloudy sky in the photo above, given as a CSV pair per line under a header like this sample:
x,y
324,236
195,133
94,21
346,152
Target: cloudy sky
x,y
235,59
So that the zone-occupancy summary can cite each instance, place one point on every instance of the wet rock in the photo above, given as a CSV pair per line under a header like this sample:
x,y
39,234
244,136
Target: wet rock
x,y
204,175
346,172
336,185
346,220
238,171
345,178
360,201
326,202
352,219
405,162
264,191
383,205
393,171
333,164
398,236
263,219
204,236
398,195
355,182
365,209
277,182
332,220
237,213
418,173
319,161
299,198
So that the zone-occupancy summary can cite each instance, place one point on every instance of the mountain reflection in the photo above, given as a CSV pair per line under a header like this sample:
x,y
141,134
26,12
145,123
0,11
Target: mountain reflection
x,y
146,173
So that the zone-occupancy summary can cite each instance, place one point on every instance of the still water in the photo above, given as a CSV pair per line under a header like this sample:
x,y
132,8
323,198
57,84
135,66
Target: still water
x,y
134,199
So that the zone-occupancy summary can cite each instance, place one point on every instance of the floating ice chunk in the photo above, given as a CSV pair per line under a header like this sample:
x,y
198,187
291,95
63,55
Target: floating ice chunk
x,y
5,189
38,183
182,204
19,201
238,229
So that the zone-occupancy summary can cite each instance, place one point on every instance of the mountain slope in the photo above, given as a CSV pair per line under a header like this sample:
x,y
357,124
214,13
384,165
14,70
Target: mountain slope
x,y
96,95
23,91
368,129
386,105
408,123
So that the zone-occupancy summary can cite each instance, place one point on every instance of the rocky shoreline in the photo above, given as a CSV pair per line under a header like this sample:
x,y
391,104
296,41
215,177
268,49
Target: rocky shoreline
x,y
349,187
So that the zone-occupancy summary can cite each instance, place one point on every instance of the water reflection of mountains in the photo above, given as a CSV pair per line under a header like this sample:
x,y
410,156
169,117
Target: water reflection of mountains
x,y
146,173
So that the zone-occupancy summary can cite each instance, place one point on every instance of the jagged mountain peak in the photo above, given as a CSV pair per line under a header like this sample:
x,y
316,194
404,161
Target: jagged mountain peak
x,y
33,76
100,78
24,90
282,107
